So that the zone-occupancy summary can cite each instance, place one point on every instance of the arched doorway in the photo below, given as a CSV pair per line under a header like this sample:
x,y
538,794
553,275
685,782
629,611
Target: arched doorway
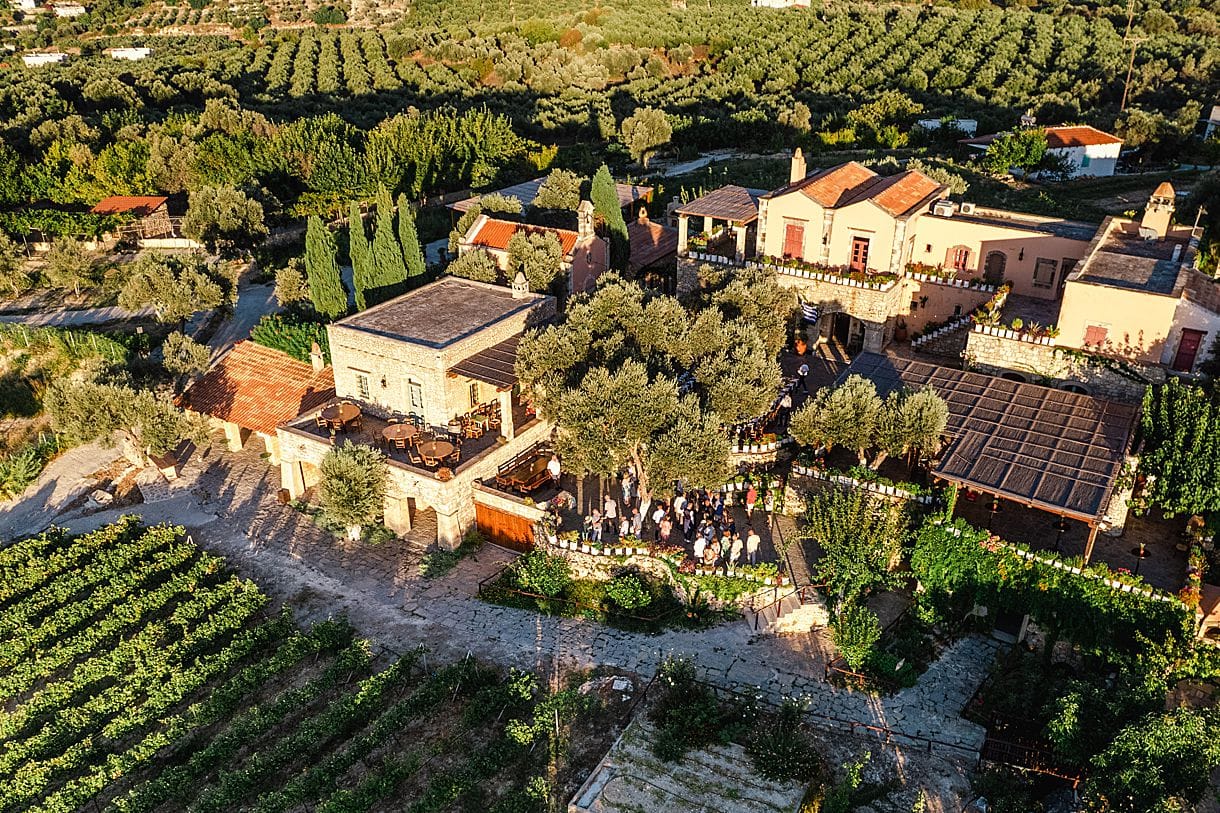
x,y
993,267
1011,376
1072,386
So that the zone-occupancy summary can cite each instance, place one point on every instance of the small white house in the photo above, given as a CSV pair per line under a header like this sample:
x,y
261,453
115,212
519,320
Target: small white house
x,y
69,9
131,54
966,126
1089,152
25,5
37,58
1212,122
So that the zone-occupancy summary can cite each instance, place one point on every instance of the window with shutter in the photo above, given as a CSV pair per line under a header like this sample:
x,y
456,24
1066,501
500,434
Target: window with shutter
x,y
1044,272
1095,335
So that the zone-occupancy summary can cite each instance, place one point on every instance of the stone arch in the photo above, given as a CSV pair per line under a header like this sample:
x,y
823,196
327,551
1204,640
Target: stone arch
x,y
1076,387
1011,376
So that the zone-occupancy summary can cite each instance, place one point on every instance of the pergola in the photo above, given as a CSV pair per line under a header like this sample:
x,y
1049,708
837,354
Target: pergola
x,y
735,205
1049,449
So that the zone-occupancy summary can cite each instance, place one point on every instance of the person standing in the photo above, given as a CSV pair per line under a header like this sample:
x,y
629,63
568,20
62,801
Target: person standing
x,y
554,468
803,372
624,528
751,498
753,542
665,529
637,523
595,523
700,547
785,411
610,513
735,551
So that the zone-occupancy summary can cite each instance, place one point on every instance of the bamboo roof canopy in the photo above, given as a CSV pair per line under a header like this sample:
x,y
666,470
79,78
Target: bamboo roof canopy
x,y
733,203
1054,450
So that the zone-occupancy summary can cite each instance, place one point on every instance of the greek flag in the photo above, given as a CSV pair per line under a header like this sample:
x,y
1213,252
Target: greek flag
x,y
810,312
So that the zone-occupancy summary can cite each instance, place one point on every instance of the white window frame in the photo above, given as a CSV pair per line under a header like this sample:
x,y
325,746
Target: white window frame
x,y
415,395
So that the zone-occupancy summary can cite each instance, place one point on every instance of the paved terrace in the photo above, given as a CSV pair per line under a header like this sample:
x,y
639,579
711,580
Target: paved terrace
x,y
227,501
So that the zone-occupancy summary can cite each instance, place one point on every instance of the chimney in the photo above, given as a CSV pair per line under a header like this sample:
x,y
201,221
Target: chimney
x,y
584,219
1158,214
521,286
643,218
316,358
797,172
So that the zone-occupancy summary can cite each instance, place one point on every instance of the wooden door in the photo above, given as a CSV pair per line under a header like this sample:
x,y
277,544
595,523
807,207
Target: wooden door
x,y
794,240
1188,348
859,253
504,529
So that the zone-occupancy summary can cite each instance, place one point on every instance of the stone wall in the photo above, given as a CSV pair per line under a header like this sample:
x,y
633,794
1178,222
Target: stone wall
x,y
1056,366
411,489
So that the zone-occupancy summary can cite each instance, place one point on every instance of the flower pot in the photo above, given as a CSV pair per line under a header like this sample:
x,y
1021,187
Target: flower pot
x,y
586,549
563,544
768,581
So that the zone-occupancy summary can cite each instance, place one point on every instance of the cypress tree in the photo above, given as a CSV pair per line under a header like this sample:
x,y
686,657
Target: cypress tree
x,y
326,289
362,256
605,203
389,270
408,238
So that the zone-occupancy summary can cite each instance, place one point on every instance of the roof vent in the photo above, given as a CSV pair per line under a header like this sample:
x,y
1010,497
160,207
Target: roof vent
x,y
967,208
944,208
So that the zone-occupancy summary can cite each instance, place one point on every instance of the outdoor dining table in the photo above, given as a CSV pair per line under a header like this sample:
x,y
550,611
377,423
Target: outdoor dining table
x,y
396,432
434,451
341,414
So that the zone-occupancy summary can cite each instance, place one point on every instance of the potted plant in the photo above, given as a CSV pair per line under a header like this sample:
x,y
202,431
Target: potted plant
x,y
799,343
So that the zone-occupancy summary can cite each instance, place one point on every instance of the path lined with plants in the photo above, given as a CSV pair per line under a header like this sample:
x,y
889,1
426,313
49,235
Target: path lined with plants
x,y
380,590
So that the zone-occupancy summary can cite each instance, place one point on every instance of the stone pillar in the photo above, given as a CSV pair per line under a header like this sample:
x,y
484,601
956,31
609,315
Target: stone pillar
x,y
1114,520
687,277
741,242
506,414
448,529
273,448
398,514
292,478
683,234
874,337
235,436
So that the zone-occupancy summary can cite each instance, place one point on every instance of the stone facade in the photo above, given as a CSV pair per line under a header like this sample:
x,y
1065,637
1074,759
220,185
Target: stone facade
x,y
1060,367
410,489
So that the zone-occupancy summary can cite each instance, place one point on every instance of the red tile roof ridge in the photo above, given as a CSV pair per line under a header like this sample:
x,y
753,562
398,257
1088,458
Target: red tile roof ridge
x,y
495,234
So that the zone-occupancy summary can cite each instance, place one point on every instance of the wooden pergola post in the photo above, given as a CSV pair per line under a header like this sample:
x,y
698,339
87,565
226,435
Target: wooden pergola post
x,y
1088,546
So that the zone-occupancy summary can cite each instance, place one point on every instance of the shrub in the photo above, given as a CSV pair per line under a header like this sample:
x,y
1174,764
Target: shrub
x,y
294,335
629,592
781,750
18,470
539,572
686,713
352,488
856,631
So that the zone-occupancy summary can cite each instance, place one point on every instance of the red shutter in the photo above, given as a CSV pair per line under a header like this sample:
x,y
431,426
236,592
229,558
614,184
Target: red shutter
x,y
1095,336
794,240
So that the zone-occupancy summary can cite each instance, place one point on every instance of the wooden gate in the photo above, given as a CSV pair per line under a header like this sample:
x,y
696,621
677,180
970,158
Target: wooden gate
x,y
504,529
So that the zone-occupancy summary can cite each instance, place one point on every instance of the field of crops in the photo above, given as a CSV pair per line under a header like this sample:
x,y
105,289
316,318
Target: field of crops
x,y
137,674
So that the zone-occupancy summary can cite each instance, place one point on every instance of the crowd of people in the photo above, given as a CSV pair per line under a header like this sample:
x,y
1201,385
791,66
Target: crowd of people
x,y
694,518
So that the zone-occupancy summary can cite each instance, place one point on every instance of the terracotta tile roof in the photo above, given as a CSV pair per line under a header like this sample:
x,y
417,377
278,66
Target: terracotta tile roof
x,y
259,388
650,242
832,187
495,234
122,204
897,194
735,203
1058,138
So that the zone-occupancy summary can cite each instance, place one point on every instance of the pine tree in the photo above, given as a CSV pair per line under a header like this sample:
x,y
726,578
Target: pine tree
x,y
326,289
361,254
605,203
408,238
389,270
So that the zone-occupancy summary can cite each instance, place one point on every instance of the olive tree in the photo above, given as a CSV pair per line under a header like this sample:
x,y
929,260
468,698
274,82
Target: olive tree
x,y
352,486
224,219
291,286
861,536
174,287
560,190
477,265
643,132
538,255
70,265
14,275
182,355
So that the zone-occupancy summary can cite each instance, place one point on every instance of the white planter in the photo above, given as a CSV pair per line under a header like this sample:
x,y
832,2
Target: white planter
x,y
768,581
563,544
586,549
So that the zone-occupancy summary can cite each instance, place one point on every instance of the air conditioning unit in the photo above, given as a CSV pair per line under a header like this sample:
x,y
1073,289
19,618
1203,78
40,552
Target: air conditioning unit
x,y
944,208
967,208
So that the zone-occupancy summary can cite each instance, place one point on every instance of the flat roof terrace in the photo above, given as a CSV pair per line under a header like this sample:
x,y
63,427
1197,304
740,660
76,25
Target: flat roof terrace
x,y
1123,258
442,312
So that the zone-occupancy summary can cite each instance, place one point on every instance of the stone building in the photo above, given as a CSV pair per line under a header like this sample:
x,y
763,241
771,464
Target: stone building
x,y
586,256
439,352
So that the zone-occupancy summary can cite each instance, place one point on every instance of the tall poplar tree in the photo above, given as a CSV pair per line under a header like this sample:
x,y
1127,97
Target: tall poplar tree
x,y
605,203
326,290
361,254
408,238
